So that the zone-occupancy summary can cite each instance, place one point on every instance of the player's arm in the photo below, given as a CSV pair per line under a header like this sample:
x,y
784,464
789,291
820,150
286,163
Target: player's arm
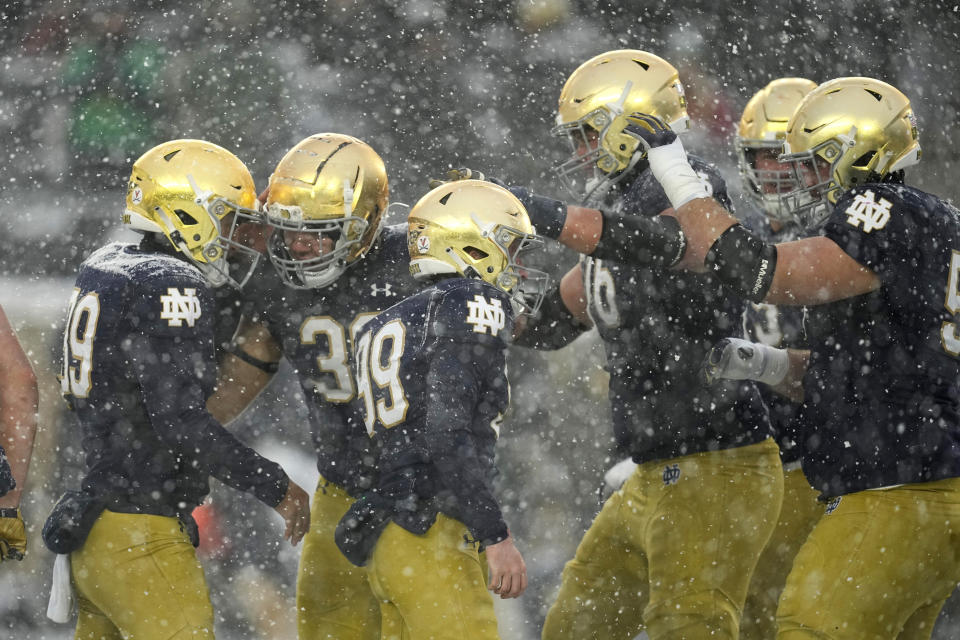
x,y
245,371
18,427
167,367
627,239
805,272
563,316
455,380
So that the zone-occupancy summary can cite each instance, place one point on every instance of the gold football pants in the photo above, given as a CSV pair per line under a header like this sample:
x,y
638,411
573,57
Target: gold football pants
x,y
434,586
799,513
879,564
334,600
137,577
672,551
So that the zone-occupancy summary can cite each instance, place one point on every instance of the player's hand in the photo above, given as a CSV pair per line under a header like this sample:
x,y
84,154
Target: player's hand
x,y
455,175
508,573
649,130
295,509
13,535
736,359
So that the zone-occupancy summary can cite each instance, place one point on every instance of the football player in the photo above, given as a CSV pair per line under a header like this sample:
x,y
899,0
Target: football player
x,y
18,426
882,285
432,382
758,143
138,366
335,265
708,482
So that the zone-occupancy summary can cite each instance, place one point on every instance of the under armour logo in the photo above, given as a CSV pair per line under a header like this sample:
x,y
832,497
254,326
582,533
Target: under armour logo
x,y
376,289
178,307
832,505
865,209
671,475
485,315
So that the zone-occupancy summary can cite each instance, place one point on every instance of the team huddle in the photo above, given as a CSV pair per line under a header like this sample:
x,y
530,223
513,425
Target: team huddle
x,y
783,383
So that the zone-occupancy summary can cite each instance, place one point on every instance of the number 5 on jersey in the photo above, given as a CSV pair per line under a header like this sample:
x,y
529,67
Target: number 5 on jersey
x,y
378,359
82,317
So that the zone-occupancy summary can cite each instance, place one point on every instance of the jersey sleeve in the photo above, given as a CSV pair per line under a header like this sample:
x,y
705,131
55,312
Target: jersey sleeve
x,y
171,349
474,312
458,375
872,225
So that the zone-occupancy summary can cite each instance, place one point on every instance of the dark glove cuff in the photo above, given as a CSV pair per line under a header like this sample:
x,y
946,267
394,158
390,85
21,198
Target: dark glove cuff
x,y
547,215
12,512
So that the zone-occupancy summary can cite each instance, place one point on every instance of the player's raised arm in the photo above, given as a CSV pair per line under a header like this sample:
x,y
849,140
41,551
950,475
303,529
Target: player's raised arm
x,y
848,132
18,427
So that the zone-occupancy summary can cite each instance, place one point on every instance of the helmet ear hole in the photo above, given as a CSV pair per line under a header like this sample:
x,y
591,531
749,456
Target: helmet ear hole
x,y
864,161
184,217
475,253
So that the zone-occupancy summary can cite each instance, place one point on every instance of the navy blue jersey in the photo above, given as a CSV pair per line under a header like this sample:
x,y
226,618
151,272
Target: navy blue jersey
x,y
316,329
433,389
138,368
881,390
657,326
780,327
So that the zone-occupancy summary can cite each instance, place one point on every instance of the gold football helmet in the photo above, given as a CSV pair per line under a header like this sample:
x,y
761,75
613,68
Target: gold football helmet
x,y
329,186
763,127
591,114
196,193
846,132
480,230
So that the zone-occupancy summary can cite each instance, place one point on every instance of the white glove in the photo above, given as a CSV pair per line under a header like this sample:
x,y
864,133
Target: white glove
x,y
736,359
618,473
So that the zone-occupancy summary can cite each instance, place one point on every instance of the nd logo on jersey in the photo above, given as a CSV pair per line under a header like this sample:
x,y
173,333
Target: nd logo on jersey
x,y
485,315
178,307
865,209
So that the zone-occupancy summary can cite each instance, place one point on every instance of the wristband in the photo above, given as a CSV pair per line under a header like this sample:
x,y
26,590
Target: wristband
x,y
679,181
547,215
263,365
743,262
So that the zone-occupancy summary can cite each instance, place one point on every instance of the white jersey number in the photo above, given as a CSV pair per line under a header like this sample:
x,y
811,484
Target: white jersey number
x,y
378,360
335,361
82,317
948,331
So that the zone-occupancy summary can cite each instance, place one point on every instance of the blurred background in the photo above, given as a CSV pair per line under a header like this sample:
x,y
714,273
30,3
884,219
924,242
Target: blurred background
x,y
87,86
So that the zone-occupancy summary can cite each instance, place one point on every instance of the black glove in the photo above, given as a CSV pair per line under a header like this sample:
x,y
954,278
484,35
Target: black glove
x,y
649,130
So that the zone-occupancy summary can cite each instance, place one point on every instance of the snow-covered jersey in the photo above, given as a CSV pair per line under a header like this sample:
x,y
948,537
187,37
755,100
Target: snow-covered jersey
x,y
433,389
657,326
138,368
316,329
781,327
882,388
